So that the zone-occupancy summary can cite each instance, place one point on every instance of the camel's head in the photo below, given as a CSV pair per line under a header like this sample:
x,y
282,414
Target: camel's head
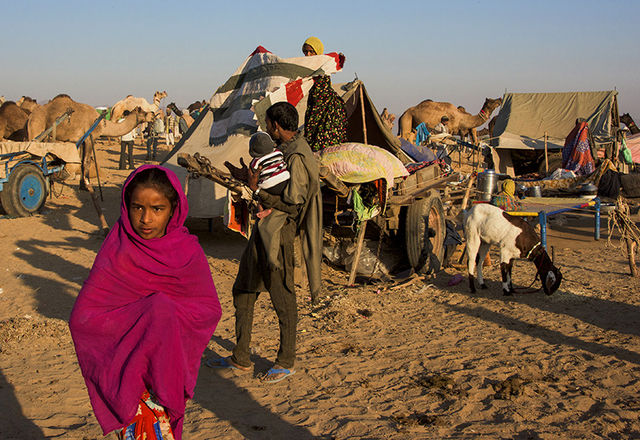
x,y
387,118
24,99
491,104
410,137
158,96
174,109
142,116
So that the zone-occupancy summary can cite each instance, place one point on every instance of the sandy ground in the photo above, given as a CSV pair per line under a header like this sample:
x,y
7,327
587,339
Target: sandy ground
x,y
422,361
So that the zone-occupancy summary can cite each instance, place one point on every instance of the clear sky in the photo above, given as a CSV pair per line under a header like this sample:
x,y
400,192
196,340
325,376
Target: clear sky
x,y
404,51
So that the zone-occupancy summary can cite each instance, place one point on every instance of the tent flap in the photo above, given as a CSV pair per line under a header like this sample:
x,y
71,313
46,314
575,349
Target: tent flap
x,y
222,131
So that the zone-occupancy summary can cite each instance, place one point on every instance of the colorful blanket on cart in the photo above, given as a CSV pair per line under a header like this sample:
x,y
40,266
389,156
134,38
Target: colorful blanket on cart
x,y
359,163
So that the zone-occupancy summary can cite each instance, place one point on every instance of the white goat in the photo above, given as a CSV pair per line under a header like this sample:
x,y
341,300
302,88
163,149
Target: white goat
x,y
485,225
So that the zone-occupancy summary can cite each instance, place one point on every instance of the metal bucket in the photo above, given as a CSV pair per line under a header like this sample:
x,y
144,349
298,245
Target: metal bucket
x,y
534,191
487,184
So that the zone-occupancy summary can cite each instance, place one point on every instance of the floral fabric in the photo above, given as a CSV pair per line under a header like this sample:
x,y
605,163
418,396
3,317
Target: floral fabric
x,y
576,154
151,422
325,121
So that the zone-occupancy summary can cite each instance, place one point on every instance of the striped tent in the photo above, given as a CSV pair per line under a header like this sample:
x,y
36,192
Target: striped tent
x,y
235,110
267,78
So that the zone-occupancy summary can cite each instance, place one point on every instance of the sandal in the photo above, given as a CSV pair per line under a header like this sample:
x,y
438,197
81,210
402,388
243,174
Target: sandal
x,y
273,375
225,363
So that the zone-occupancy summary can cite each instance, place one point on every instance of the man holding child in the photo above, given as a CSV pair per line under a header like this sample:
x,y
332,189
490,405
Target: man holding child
x,y
296,208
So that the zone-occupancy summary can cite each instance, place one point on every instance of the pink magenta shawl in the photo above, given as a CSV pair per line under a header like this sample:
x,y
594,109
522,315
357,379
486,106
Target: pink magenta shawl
x,y
144,317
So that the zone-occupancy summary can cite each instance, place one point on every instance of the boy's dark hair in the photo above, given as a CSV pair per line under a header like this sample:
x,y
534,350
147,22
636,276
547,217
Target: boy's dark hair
x,y
153,178
284,114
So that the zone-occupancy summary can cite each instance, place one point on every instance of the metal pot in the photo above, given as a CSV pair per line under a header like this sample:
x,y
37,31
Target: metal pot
x,y
534,191
588,189
487,184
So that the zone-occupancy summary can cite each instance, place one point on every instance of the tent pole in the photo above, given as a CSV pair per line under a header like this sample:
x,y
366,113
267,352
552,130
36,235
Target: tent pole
x,y
364,123
546,154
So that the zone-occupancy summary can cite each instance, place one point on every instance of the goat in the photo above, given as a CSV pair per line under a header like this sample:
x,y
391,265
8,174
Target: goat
x,y
485,225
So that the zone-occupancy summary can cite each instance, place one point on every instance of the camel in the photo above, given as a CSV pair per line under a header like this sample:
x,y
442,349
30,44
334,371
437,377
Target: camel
x,y
196,106
131,102
627,120
184,115
13,122
430,112
80,121
387,119
27,104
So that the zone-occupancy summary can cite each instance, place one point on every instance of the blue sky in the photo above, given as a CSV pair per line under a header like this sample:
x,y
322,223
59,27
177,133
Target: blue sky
x,y
404,51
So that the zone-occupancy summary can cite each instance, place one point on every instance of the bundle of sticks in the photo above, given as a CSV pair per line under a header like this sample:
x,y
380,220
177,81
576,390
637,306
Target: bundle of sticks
x,y
620,218
199,165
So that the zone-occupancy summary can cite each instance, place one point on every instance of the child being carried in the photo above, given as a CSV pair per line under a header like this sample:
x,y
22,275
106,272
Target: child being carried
x,y
273,178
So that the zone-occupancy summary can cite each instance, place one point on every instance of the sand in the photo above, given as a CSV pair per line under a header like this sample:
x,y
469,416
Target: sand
x,y
422,361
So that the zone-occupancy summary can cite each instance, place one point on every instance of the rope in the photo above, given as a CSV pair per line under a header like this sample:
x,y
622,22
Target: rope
x,y
53,192
620,219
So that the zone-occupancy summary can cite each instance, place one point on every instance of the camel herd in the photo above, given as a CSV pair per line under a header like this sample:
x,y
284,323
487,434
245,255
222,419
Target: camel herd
x,y
25,119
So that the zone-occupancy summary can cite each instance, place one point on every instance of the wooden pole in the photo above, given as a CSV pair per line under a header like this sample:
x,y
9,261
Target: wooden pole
x,y
85,181
95,158
631,251
364,122
546,154
467,192
356,255
186,184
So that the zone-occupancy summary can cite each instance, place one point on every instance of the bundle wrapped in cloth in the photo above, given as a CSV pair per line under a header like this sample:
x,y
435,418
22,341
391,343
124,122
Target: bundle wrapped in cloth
x,y
359,163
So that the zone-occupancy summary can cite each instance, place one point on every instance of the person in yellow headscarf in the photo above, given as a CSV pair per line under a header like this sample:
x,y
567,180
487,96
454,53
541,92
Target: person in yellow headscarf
x,y
325,120
312,46
506,199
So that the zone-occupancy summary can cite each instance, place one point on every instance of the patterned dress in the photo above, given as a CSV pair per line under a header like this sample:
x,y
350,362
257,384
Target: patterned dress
x,y
576,154
325,121
151,422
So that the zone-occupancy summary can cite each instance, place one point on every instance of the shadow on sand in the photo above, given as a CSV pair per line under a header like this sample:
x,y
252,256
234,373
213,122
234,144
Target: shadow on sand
x,y
217,392
13,423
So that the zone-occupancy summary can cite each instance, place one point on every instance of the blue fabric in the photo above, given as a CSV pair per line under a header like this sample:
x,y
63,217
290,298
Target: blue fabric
x,y
422,133
419,154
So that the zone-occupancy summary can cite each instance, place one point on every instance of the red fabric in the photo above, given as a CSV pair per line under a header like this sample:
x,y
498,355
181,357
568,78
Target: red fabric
x,y
294,92
340,58
144,317
259,49
147,419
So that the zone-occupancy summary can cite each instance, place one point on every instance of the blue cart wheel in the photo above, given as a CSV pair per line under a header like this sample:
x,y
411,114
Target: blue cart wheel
x,y
31,192
25,192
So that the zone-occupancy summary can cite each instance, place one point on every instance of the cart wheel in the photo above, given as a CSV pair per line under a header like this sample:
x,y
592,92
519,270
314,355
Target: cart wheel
x,y
424,234
25,192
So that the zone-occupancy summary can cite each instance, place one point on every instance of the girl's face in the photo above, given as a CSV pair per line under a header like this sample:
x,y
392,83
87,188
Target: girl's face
x,y
308,51
149,212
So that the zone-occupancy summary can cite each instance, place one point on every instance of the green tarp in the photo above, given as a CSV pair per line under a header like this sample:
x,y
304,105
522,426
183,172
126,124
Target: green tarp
x,y
524,118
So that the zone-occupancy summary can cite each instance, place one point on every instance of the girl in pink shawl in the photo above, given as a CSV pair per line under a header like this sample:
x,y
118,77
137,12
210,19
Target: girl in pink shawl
x,y
146,313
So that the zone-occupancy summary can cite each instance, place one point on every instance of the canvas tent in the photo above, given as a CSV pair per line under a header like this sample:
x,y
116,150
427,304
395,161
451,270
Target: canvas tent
x,y
524,118
236,110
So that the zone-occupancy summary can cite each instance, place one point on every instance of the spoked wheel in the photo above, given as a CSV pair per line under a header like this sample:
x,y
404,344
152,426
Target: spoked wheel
x,y
25,192
424,234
